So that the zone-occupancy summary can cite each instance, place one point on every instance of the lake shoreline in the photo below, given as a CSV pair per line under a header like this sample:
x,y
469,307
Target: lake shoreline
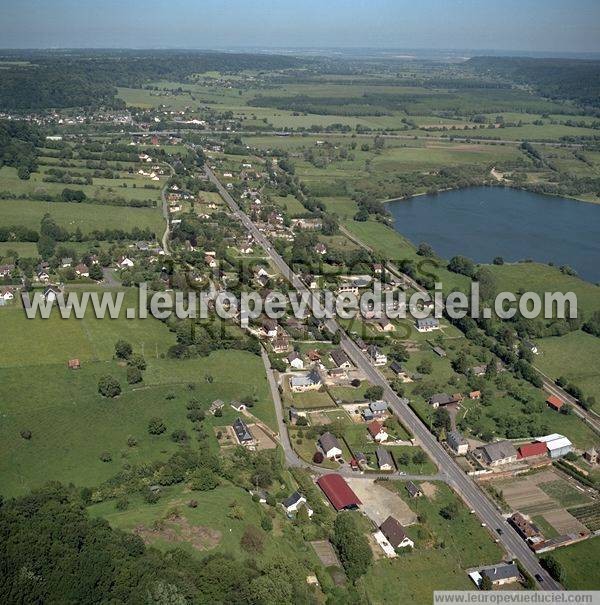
x,y
491,185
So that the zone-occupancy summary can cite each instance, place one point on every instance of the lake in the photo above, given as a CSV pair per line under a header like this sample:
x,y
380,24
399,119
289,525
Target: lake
x,y
484,222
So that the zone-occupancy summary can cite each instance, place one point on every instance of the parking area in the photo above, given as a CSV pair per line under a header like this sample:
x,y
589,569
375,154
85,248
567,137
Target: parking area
x,y
379,502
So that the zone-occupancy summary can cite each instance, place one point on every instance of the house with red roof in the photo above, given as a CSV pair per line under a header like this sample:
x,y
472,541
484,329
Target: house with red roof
x,y
338,492
377,431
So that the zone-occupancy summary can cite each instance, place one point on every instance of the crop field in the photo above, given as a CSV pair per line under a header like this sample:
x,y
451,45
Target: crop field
x,y
589,515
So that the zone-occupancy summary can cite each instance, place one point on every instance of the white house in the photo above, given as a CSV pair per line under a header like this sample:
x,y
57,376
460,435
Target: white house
x,y
295,361
123,262
294,503
428,324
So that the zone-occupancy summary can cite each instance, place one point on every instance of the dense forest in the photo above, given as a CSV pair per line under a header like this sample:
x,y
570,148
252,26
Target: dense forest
x,y
73,79
574,79
18,141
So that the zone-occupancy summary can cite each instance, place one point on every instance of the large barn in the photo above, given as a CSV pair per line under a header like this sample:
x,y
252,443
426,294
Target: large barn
x,y
338,492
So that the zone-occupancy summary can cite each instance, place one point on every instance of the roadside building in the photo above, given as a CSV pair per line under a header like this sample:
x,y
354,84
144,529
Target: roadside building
x,y
243,434
457,443
413,490
384,459
496,454
377,432
536,449
310,382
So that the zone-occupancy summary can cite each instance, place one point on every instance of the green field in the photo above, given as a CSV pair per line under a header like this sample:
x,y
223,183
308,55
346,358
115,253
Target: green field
x,y
580,563
573,356
88,217
72,424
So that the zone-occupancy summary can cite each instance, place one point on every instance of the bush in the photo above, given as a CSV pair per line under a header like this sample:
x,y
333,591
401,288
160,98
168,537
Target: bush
x,y
138,361
122,504
108,386
131,441
179,436
26,434
134,375
106,457
151,497
156,426
122,349
253,540
318,458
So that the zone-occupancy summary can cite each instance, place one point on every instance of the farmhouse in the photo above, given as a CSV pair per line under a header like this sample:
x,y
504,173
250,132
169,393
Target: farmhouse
x,y
294,503
441,399
50,294
7,293
384,459
330,445
525,528
377,357
495,454
429,324
393,530
377,432
413,490
338,492
502,573
6,270
399,369
82,270
385,325
124,263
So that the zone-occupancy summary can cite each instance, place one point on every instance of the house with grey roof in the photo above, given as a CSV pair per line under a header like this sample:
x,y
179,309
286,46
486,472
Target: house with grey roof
x,y
340,359
309,382
457,443
496,454
243,433
330,445
384,459
427,325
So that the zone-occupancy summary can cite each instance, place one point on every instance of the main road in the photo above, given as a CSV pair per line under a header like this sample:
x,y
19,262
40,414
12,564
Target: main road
x,y
470,492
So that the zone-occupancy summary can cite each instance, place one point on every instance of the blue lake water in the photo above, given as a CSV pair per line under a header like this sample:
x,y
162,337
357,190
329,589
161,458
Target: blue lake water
x,y
484,222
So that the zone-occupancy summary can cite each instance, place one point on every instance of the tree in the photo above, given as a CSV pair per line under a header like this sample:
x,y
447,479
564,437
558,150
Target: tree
x,y
136,360
419,457
204,481
253,540
425,367
352,546
96,272
180,436
318,458
486,583
450,511
134,375
156,426
374,393
26,434
462,264
425,249
108,386
553,567
123,349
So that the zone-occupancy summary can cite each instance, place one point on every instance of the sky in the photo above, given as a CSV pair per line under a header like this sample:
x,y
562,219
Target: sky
x,y
530,25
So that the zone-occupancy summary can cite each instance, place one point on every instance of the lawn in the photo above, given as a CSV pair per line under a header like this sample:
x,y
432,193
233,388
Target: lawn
x,y
580,562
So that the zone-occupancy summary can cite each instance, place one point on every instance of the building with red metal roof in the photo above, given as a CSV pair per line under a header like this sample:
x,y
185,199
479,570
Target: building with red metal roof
x,y
530,450
338,492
